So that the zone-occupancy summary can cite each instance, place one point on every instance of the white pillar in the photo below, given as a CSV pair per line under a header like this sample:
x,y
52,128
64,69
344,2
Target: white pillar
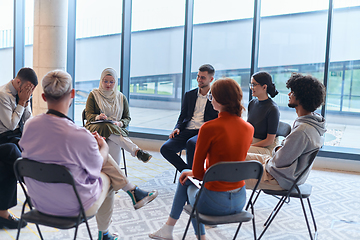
x,y
50,42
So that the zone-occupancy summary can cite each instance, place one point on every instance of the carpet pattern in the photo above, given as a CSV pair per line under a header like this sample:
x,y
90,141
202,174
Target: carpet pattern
x,y
335,202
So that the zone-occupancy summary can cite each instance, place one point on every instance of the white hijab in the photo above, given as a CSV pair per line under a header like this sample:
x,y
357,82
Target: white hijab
x,y
109,102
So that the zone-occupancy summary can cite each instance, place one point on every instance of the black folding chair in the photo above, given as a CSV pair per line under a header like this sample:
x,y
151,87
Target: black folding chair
x,y
301,192
228,172
47,173
176,171
83,117
283,129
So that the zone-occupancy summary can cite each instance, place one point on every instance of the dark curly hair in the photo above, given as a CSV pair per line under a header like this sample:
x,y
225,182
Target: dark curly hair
x,y
228,93
308,90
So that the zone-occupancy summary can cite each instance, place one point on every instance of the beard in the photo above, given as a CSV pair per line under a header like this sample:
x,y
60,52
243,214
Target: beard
x,y
292,105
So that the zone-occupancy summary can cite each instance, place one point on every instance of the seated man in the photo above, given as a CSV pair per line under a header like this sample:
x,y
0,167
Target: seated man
x,y
9,152
14,105
54,138
195,110
291,157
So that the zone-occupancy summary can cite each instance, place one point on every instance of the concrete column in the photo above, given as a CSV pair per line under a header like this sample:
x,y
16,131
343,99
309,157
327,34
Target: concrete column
x,y
50,42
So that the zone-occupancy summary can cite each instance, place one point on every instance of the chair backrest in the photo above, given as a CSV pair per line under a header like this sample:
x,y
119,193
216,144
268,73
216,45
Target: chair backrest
x,y
283,129
234,171
83,117
310,162
43,172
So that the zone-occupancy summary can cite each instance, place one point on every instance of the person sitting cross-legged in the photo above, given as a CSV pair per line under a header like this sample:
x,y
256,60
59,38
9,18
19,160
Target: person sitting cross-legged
x,y
54,138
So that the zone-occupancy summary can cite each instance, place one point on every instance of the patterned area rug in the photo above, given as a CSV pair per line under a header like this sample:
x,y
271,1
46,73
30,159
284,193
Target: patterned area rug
x,y
335,201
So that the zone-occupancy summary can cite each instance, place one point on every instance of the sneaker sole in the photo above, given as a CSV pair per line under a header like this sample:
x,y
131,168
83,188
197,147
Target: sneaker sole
x,y
146,200
157,237
146,160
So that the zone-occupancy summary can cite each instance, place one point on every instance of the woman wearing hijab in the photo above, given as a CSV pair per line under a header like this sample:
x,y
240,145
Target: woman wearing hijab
x,y
263,113
107,112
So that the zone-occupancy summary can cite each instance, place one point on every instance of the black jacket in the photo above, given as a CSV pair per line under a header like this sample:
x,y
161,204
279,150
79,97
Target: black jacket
x,y
187,110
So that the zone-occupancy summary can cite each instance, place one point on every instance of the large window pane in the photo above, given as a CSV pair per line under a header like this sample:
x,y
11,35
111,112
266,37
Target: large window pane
x,y
29,32
6,40
292,39
156,63
343,91
98,41
223,39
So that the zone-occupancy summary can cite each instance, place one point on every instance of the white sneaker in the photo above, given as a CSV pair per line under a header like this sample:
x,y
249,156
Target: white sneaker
x,y
161,234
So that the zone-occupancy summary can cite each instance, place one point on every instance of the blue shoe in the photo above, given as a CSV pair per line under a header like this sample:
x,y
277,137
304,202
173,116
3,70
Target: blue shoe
x,y
107,236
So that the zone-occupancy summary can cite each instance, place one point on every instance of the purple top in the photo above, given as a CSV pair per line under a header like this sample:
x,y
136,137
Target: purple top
x,y
50,139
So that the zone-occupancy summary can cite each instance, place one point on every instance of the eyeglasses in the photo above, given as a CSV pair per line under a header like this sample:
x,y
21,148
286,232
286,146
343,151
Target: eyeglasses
x,y
106,82
252,85
210,97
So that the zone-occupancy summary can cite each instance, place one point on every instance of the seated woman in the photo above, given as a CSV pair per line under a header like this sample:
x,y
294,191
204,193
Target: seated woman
x,y
263,114
107,103
226,138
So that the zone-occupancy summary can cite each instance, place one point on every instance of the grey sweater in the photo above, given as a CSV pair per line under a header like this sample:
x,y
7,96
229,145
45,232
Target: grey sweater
x,y
292,158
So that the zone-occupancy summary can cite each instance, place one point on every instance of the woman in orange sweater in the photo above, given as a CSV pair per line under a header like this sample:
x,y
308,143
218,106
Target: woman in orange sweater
x,y
226,138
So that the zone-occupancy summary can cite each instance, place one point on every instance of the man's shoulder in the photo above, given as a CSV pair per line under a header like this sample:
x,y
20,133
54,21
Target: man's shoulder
x,y
4,92
193,91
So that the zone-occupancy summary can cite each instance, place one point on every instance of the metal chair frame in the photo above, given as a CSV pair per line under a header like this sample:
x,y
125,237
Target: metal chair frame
x,y
228,172
47,173
302,191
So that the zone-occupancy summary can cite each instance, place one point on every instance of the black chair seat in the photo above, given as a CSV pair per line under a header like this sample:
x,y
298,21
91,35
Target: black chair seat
x,y
233,171
35,216
305,190
47,173
301,192
243,216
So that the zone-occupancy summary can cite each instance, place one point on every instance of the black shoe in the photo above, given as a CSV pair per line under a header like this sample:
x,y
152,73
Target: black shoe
x,y
11,222
140,198
143,156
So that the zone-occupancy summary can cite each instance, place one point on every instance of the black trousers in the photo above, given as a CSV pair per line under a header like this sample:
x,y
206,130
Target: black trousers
x,y
9,152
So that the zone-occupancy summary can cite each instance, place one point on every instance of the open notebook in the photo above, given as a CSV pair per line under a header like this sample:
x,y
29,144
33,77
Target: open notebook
x,y
102,121
196,182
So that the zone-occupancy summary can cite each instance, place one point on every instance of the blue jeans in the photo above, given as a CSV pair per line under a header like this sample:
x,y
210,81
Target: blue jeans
x,y
186,139
210,202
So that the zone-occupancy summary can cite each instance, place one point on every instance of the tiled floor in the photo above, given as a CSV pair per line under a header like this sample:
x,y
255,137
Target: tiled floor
x,y
335,200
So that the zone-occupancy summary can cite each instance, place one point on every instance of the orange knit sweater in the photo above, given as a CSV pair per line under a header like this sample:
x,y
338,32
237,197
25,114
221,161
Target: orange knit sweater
x,y
226,138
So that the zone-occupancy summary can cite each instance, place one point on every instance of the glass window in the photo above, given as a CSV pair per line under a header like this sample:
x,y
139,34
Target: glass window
x,y
6,40
292,39
29,32
222,37
157,39
98,42
343,90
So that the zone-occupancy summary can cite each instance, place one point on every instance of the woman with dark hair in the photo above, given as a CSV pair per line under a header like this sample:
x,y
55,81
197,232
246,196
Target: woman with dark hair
x,y
226,138
263,113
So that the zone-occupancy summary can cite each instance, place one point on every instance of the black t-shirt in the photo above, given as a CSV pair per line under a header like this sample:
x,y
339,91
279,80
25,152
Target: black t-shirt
x,y
264,116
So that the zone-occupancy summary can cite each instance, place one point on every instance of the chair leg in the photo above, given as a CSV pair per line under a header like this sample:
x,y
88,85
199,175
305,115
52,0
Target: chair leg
x,y
272,215
187,227
123,154
76,229
257,195
313,217
175,176
306,218
38,228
